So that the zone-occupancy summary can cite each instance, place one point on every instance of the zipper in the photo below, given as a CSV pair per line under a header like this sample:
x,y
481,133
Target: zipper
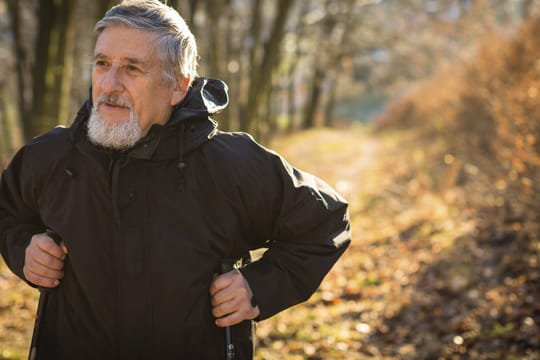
x,y
117,161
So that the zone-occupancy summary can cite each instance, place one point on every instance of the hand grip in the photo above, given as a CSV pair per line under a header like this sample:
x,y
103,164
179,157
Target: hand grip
x,y
54,235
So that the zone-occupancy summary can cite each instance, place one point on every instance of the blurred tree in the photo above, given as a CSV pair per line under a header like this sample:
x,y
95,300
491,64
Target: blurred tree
x,y
279,57
526,8
44,92
337,20
172,3
22,63
4,133
218,43
102,6
263,66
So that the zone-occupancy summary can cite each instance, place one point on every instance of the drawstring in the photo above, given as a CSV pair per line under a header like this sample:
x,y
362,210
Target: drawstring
x,y
181,163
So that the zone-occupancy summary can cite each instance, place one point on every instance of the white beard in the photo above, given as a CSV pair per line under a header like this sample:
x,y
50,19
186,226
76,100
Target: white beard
x,y
118,136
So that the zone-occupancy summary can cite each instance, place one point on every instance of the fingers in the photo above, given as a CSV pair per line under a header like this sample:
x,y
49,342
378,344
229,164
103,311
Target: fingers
x,y
222,282
64,248
231,299
47,245
44,261
41,280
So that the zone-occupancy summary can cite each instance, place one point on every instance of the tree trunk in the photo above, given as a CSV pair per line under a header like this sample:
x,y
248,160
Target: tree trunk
x,y
11,137
331,103
314,99
64,63
102,7
35,124
291,90
229,52
272,112
294,62
260,81
172,3
54,65
255,37
214,51
4,133
23,68
291,102
526,9
193,11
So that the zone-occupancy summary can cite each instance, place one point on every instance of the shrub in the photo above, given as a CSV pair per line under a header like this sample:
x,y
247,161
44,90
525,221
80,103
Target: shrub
x,y
488,112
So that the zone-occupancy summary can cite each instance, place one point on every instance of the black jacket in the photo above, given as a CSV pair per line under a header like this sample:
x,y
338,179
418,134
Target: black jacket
x,y
147,228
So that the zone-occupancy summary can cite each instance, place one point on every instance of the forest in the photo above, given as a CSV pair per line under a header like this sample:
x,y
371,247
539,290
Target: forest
x,y
289,64
424,114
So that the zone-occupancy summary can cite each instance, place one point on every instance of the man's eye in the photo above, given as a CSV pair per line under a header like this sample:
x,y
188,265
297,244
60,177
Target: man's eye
x,y
100,63
133,68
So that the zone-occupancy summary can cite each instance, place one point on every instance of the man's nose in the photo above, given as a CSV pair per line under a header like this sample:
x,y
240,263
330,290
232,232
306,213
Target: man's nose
x,y
111,81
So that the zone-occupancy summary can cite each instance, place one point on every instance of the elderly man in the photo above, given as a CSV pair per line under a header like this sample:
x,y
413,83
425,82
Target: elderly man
x,y
149,199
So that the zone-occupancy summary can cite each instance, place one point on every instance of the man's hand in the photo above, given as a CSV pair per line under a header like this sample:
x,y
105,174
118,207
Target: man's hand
x,y
231,299
44,261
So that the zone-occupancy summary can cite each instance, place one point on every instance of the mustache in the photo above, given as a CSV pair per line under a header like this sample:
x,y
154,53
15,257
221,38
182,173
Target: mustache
x,y
113,100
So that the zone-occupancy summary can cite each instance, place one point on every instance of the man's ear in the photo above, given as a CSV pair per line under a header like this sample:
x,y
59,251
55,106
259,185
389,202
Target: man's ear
x,y
180,91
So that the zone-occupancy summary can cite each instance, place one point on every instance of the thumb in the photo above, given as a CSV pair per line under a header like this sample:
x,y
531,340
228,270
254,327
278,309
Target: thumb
x,y
64,247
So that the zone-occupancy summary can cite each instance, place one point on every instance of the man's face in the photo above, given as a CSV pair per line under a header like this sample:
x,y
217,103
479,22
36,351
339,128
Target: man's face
x,y
127,84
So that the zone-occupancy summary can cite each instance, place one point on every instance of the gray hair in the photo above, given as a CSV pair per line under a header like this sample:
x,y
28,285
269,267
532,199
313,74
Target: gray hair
x,y
176,46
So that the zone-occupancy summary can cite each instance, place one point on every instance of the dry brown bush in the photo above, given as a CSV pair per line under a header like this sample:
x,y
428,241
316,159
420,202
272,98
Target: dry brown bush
x,y
488,113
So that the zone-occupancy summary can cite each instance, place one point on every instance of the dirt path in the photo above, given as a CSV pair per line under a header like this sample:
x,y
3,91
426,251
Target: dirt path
x,y
432,273
339,157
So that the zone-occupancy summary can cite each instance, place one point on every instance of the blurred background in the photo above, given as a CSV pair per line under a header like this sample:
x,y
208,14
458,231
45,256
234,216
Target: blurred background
x,y
289,64
424,114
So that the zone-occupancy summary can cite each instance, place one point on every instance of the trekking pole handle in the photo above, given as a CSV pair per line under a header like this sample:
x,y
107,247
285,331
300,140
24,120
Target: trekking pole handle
x,y
226,266
42,305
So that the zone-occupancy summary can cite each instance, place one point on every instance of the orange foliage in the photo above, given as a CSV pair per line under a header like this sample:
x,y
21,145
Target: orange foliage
x,y
488,111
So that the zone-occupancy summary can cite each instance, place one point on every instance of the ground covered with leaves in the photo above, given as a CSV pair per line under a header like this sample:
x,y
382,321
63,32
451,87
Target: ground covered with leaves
x,y
441,265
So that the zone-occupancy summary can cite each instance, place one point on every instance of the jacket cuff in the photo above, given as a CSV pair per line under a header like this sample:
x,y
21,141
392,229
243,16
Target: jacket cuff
x,y
250,274
19,240
261,276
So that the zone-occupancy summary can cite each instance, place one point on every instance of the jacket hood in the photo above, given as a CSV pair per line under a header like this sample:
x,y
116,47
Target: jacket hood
x,y
205,98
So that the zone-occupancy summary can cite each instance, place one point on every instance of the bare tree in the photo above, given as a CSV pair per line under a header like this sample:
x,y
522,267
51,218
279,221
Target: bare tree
x,y
23,63
262,68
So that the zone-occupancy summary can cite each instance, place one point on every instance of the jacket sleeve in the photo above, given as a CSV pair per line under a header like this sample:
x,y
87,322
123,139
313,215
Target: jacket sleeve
x,y
19,219
306,227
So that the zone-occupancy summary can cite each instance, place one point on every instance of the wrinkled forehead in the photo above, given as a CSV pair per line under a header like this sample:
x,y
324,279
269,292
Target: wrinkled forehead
x,y
128,43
